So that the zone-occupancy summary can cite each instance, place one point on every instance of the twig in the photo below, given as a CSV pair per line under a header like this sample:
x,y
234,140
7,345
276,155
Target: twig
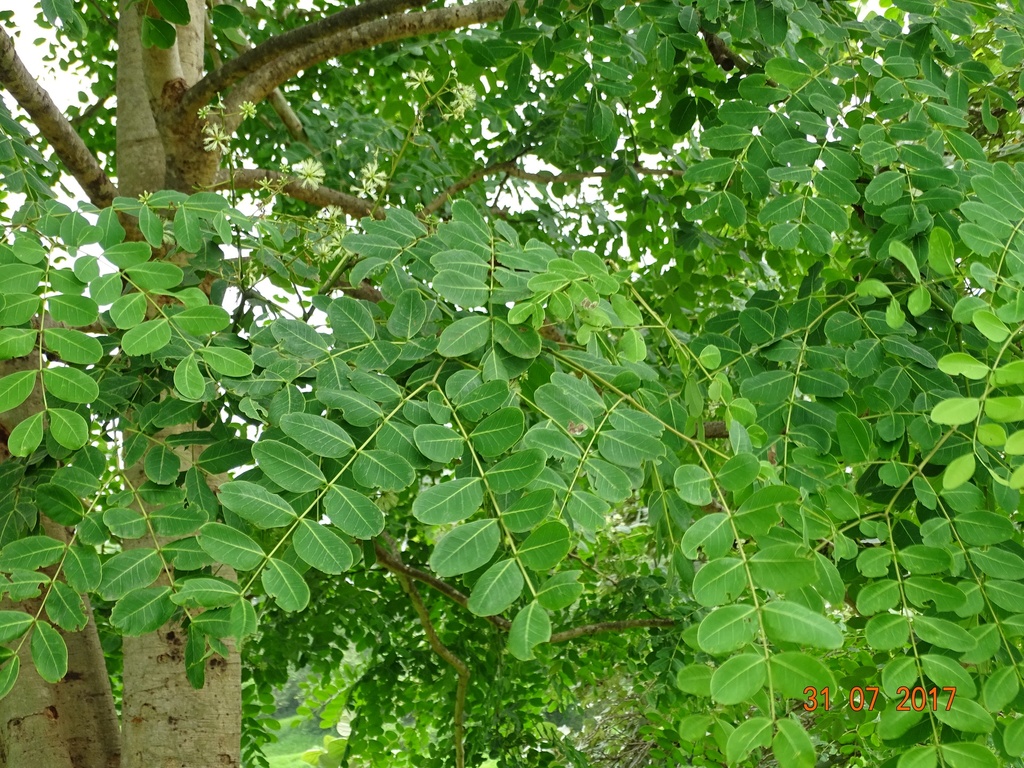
x,y
320,195
609,626
723,55
397,567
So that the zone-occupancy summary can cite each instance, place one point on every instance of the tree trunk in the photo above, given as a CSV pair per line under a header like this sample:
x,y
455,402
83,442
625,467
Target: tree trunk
x,y
72,723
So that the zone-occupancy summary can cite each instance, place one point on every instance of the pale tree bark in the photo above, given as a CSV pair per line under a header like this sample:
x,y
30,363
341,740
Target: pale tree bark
x,y
72,723
165,722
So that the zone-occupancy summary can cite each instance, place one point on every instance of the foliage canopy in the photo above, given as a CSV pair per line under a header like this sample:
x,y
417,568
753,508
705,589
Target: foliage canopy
x,y
727,404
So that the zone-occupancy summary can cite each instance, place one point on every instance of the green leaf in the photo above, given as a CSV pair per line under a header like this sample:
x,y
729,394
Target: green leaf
x,y
752,733
287,466
409,314
383,469
693,484
530,628
318,435
207,593
449,502
726,629
30,553
496,589
13,624
719,581
68,428
792,746
464,336
958,472
546,546
956,411
162,465
9,676
188,380
174,11
227,362
353,513
351,320
285,585
49,653
739,472
790,622
465,548
517,471
128,310
498,432
519,341
26,436
321,548
143,610
560,591
256,504
202,321
128,570
230,546
147,338
738,679
943,634
438,443
965,715
156,33
15,389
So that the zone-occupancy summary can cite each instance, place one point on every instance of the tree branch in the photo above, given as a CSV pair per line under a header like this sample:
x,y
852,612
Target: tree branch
x,y
260,82
609,626
439,648
542,177
395,565
222,78
53,126
261,178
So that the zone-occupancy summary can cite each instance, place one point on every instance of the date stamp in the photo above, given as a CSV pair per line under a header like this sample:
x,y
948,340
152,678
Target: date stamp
x,y
916,699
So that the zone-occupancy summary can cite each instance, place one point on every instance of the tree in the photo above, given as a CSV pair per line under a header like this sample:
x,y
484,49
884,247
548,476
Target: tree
x,y
564,384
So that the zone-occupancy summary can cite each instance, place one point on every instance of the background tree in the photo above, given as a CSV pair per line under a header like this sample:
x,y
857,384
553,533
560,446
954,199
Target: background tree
x,y
616,383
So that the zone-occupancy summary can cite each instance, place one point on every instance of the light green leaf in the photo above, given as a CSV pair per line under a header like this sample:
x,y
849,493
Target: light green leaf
x,y
792,746
546,546
517,471
498,432
227,362
146,338
956,411
726,629
15,389
68,428
383,469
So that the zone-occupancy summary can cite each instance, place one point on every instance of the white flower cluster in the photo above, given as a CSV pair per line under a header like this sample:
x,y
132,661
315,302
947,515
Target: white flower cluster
x,y
215,138
418,78
373,178
310,172
464,99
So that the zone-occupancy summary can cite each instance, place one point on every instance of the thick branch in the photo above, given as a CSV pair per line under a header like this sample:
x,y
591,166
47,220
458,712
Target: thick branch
x,y
53,126
260,178
218,81
542,177
256,86
609,626
396,566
